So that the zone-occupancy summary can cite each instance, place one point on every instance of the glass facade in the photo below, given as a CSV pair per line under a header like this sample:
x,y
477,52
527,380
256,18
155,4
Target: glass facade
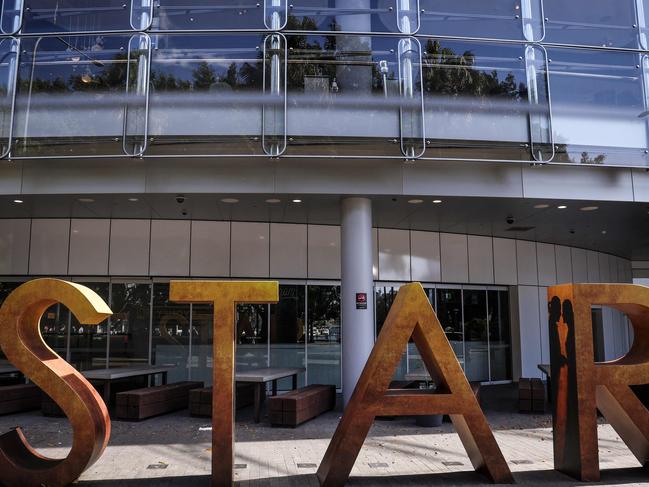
x,y
302,330
477,324
541,81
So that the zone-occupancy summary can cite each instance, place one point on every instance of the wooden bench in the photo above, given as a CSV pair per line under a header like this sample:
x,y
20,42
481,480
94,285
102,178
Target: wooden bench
x,y
18,398
200,400
531,396
145,403
299,406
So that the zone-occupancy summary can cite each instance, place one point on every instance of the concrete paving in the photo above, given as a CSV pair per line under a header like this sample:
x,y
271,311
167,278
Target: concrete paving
x,y
174,451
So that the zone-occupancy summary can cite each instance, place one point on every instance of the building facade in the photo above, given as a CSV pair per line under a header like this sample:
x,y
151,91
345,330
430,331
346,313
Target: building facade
x,y
486,149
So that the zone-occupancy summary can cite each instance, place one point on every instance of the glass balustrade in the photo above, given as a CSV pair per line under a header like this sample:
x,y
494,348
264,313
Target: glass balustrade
x,y
82,96
599,106
86,16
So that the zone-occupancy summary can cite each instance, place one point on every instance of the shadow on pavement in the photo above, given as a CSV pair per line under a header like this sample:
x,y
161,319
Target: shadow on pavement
x,y
622,476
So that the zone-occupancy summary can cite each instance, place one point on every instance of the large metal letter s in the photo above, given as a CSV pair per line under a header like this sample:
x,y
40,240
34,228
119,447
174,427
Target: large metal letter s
x,y
22,343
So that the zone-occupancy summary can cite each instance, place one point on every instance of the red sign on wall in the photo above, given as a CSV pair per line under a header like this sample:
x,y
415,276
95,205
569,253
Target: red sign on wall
x,y
361,300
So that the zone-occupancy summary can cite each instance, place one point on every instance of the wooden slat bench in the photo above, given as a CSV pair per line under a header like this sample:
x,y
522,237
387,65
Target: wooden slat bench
x,y
18,398
200,400
145,403
299,406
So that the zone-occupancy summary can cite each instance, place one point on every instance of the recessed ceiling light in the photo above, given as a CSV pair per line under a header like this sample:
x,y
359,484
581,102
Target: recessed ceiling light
x,y
604,232
18,202
273,201
542,206
86,200
229,201
134,200
562,207
590,208
437,202
415,202
297,201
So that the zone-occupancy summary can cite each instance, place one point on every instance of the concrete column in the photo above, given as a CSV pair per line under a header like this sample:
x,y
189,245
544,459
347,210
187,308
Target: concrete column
x,y
356,268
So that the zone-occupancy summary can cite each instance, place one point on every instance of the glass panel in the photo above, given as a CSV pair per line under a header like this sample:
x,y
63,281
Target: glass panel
x,y
384,298
362,16
12,16
202,342
129,327
476,342
599,107
211,15
252,336
496,19
345,96
500,355
8,71
287,332
449,312
207,94
71,95
82,16
477,101
54,328
88,344
584,22
324,335
170,344
415,363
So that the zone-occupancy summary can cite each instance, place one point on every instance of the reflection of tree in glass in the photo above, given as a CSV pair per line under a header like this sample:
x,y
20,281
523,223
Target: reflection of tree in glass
x,y
448,73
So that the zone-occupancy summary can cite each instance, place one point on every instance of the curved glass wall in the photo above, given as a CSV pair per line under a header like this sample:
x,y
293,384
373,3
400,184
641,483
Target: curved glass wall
x,y
397,79
499,19
232,15
354,95
485,101
86,16
218,95
585,22
599,107
82,96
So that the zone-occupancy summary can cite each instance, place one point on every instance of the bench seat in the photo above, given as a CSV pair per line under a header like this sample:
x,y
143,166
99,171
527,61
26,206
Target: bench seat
x,y
19,398
200,400
297,407
145,403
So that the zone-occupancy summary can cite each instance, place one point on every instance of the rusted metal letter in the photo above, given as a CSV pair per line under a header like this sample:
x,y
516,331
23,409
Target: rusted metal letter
x,y
580,386
21,341
224,296
412,315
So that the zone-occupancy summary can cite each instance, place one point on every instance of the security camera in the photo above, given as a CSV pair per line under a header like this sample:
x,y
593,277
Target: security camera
x,y
510,220
180,199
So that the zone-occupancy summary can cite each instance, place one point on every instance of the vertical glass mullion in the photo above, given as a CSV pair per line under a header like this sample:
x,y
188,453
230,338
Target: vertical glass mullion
x,y
9,49
141,14
540,109
408,16
275,14
411,112
136,107
644,63
533,20
11,17
274,107
488,335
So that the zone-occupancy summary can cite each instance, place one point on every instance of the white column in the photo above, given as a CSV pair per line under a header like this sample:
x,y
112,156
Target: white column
x,y
356,268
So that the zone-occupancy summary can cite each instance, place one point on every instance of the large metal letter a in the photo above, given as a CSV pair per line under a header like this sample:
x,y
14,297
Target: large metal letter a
x,y
412,315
